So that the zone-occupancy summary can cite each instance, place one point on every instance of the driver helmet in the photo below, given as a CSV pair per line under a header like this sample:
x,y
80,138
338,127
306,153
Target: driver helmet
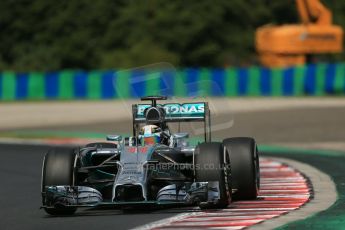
x,y
150,134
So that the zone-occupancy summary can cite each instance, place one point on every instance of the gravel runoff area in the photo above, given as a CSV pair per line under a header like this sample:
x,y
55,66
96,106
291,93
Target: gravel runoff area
x,y
16,115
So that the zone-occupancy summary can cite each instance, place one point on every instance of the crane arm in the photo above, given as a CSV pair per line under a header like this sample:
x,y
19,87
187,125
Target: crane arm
x,y
313,11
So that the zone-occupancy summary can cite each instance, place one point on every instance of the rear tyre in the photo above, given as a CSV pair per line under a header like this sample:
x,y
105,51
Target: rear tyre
x,y
59,169
211,164
245,170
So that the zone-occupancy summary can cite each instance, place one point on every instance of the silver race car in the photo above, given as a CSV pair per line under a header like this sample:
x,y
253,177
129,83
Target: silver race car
x,y
154,166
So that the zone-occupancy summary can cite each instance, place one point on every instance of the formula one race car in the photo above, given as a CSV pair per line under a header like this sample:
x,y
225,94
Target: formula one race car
x,y
152,167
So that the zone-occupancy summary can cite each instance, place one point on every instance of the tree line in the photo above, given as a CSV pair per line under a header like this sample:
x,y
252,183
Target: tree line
x,y
40,35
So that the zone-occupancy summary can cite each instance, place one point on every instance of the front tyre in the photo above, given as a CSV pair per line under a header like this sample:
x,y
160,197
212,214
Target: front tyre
x,y
59,169
245,170
211,164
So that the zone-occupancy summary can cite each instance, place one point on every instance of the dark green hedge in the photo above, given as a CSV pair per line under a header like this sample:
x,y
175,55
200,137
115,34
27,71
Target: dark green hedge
x,y
87,34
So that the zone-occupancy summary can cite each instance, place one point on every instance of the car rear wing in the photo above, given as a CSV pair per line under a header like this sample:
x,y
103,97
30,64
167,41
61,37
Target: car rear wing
x,y
175,112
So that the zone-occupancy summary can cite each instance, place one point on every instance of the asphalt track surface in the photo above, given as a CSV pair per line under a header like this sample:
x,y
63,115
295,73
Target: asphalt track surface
x,y
20,167
20,170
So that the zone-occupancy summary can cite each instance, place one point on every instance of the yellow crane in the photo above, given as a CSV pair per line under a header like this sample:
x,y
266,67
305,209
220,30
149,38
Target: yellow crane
x,y
288,45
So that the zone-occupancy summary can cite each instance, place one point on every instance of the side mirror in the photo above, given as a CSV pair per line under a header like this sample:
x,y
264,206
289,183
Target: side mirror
x,y
114,137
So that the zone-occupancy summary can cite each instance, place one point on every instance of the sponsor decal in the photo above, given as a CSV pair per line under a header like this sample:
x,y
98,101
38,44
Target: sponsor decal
x,y
143,149
131,149
177,109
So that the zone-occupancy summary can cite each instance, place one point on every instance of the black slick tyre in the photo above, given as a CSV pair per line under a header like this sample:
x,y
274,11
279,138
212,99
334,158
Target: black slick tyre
x,y
59,169
245,170
211,164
